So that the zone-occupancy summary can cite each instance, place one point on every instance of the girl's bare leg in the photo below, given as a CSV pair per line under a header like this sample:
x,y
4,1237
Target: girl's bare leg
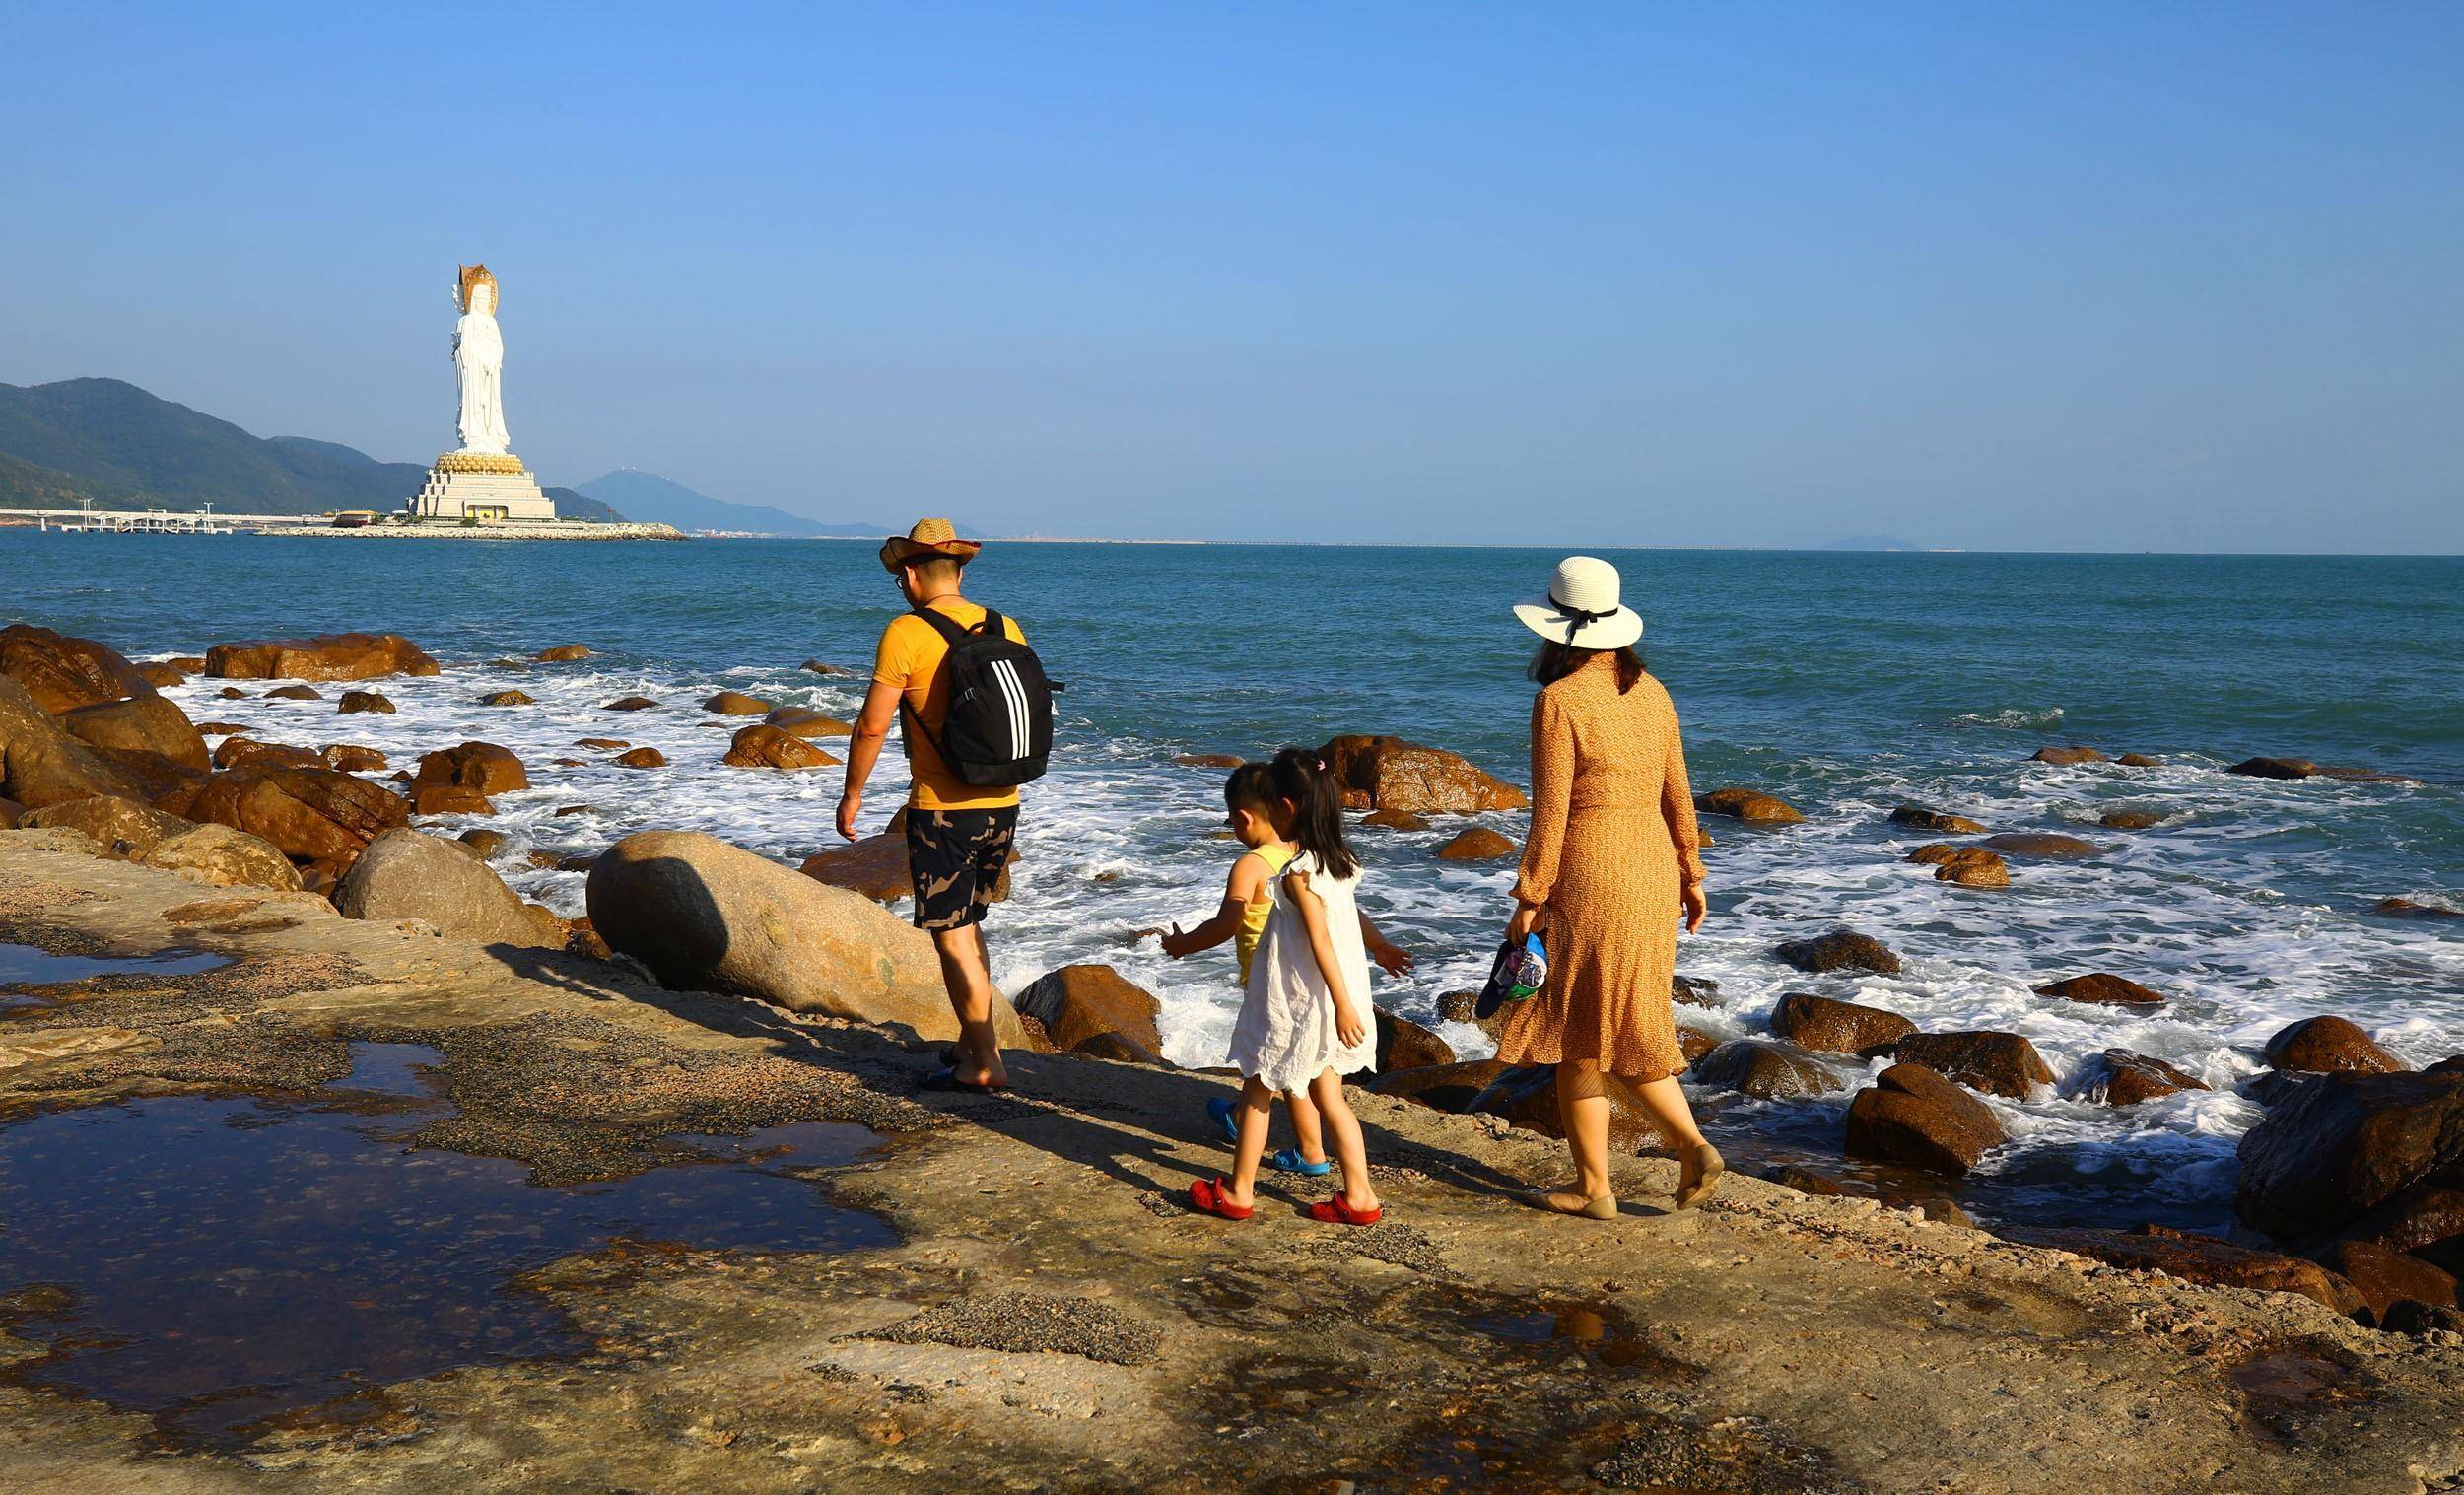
x,y
1350,1150
1307,1134
1256,1115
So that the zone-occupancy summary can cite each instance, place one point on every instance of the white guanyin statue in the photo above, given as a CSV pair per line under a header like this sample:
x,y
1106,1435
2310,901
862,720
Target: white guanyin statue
x,y
479,362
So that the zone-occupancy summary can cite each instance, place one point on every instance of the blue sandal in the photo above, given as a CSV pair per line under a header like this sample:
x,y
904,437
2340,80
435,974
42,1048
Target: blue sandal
x,y
1226,1112
1289,1160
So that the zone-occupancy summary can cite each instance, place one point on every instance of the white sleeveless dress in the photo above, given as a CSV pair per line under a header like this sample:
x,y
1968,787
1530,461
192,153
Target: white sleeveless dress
x,y
1285,1036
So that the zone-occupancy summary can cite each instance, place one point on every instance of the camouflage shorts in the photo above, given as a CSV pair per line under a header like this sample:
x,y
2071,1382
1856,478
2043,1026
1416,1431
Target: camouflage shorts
x,y
956,859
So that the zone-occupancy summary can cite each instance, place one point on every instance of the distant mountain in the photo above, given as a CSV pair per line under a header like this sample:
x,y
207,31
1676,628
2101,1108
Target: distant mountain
x,y
651,499
117,445
1872,542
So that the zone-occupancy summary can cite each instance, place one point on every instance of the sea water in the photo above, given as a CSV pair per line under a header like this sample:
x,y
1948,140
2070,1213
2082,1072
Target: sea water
x,y
1845,683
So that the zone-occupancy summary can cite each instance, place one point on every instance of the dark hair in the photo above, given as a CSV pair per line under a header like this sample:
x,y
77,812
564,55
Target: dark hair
x,y
1300,776
936,568
1556,660
1250,787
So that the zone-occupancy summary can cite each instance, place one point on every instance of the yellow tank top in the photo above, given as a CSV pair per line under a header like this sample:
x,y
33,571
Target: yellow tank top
x,y
1253,917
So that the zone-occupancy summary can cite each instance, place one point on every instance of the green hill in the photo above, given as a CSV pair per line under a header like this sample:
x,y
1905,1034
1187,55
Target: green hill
x,y
117,445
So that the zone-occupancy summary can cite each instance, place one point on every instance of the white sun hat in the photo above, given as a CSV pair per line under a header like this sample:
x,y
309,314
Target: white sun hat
x,y
1582,607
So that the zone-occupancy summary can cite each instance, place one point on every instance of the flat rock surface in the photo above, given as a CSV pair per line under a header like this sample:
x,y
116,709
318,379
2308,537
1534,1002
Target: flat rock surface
x,y
1056,1320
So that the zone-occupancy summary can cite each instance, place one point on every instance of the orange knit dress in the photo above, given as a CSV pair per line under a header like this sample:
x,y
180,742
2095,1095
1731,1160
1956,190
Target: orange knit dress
x,y
1613,842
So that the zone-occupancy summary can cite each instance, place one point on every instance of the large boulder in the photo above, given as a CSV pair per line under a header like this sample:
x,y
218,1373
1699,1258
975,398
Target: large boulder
x,y
328,656
640,758
1839,950
373,703
1764,1071
2385,1278
1998,1064
2405,907
2200,1259
2067,757
706,916
147,723
1919,818
480,766
2043,844
1751,806
1478,844
248,752
875,866
1829,1026
404,874
434,798
119,827
563,654
1394,820
1391,773
41,764
1911,1115
2342,1144
221,857
2328,1045
2102,989
1076,1003
1440,1087
2275,768
805,721
1968,866
1526,1095
736,703
315,814
62,673
2425,1220
352,758
1404,1044
2119,1077
763,746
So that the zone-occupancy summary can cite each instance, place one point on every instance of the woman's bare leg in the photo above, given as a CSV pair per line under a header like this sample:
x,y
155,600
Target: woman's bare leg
x,y
1583,1114
1699,1165
1350,1150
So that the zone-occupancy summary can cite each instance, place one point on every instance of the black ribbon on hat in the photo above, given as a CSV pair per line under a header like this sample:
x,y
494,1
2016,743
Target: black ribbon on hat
x,y
1579,615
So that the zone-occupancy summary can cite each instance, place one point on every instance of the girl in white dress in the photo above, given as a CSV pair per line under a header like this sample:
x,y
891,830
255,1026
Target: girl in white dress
x,y
1306,1022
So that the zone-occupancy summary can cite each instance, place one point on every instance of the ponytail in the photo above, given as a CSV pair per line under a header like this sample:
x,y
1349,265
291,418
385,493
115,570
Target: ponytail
x,y
1301,776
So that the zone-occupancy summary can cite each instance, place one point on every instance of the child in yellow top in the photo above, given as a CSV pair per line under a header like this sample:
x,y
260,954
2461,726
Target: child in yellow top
x,y
1242,920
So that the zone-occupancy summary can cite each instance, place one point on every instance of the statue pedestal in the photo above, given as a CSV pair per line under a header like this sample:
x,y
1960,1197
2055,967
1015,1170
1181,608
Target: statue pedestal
x,y
481,486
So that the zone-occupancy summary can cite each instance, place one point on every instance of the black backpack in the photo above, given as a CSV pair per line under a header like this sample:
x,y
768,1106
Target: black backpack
x,y
999,731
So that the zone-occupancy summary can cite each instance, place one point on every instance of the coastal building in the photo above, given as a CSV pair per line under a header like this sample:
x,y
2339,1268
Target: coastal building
x,y
482,481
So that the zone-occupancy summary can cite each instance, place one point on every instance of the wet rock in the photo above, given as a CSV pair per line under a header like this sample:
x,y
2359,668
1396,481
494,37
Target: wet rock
x,y
295,693
2049,845
1998,1064
370,703
629,703
760,746
232,692
404,874
805,721
484,843
2128,820
1693,990
1918,818
2066,757
145,724
1766,1071
1526,1095
604,744
2102,989
1076,1002
1912,1115
238,752
161,676
816,667
1749,805
642,758
2425,1220
582,940
1693,1044
2405,907
2328,1045
480,766
120,827
2138,761
2274,767
1394,820
875,866
1829,1026
1804,1180
328,656
506,698
351,758
1839,950
1440,1087
1404,1044
2340,1146
1972,868
431,798
2199,1258
2119,1077
223,728
2385,1278
1208,760
1478,844
563,654
60,673
1391,773
218,856
704,916
736,703
308,814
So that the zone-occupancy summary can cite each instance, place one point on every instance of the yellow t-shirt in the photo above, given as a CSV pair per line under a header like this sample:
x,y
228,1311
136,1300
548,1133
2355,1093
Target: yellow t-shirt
x,y
911,657
1254,916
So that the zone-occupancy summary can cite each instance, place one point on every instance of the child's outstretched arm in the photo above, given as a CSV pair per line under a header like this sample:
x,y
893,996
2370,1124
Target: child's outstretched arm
x,y
1348,1022
1391,957
1240,889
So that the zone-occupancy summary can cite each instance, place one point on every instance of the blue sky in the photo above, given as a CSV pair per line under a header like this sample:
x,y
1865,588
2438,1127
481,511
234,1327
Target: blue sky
x,y
2061,277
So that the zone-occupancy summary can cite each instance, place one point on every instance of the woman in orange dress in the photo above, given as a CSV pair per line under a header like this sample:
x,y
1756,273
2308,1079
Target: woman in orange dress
x,y
1612,862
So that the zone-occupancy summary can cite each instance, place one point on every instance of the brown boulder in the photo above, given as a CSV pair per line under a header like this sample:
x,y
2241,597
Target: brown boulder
x,y
2104,988
1077,1002
642,758
10,814
2050,845
232,692
506,698
2328,1046
2424,1219
1391,773
604,744
1749,805
2199,1258
480,766
238,752
875,866
1918,818
2067,757
432,799
1829,1026
1394,820
2385,1278
222,728
486,843
1440,1087
328,656
1208,760
629,703
1973,867
805,721
736,703
161,676
62,673
2405,907
354,701
1478,844
298,692
308,814
2119,1077
119,827
1404,1044
1526,1095
1119,1049
404,874
819,668
2128,820
1999,1064
2138,761
1693,990
2275,768
147,723
760,746
1764,1071
1693,1044
563,654
351,758
2341,1145
1911,1115
218,856
1839,950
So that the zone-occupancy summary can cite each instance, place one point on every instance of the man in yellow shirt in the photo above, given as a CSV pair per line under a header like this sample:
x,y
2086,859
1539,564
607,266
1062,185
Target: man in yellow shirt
x,y
958,834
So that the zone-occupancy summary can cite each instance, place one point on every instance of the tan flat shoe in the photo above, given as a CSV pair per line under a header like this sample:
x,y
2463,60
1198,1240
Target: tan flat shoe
x,y
1603,1208
1704,1166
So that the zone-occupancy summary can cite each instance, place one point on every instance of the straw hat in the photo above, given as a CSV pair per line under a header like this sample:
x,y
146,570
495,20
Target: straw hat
x,y
930,537
1582,607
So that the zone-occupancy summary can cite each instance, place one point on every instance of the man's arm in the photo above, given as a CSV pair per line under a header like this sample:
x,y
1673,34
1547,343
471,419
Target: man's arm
x,y
863,750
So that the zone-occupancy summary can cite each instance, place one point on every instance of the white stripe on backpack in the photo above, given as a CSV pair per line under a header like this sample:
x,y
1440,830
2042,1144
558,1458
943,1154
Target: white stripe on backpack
x,y
1014,697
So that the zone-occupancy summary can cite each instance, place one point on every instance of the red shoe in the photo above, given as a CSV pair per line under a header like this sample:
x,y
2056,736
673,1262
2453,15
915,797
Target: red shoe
x,y
1335,1213
1206,1196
